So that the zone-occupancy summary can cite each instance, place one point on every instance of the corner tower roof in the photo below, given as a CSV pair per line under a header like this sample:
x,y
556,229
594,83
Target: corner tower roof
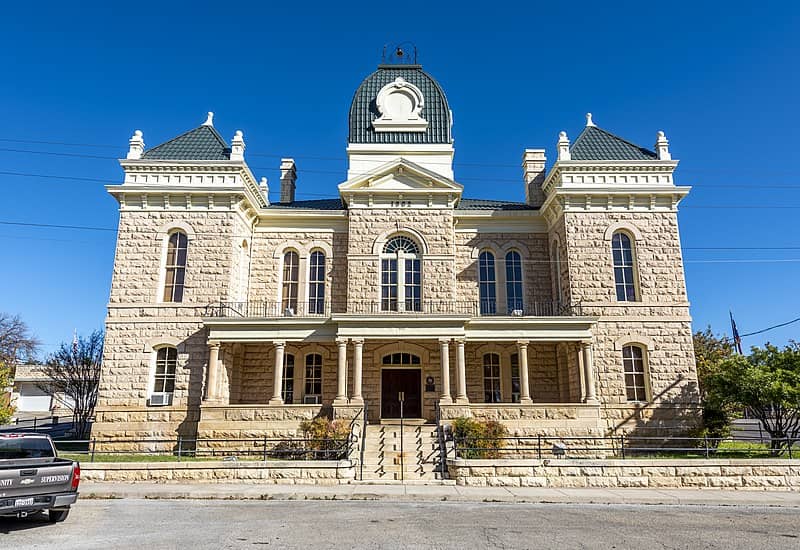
x,y
597,144
364,110
201,143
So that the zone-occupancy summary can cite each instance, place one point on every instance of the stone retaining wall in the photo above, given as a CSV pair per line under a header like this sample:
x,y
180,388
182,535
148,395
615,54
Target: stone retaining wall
x,y
654,473
311,472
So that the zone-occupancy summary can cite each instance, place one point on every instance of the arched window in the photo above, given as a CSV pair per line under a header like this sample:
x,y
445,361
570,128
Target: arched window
x,y
287,391
491,378
164,379
313,378
633,362
401,359
291,273
515,384
175,267
316,283
401,276
487,285
622,252
514,300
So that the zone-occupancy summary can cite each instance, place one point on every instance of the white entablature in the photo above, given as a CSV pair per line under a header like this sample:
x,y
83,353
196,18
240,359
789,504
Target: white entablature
x,y
400,183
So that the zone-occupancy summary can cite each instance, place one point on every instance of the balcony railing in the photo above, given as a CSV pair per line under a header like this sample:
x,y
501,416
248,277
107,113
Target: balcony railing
x,y
474,308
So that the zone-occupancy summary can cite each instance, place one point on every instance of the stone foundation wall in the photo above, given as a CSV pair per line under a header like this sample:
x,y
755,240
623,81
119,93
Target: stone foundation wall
x,y
124,428
656,473
553,419
312,472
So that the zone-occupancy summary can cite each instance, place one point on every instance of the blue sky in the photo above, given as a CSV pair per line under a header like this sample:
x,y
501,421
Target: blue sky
x,y
720,78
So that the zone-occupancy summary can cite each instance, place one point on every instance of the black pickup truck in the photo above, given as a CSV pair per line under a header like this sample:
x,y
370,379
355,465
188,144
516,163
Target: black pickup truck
x,y
33,479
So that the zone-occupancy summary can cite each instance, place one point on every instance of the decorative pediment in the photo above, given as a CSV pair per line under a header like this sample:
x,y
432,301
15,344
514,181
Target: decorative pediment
x,y
401,179
400,104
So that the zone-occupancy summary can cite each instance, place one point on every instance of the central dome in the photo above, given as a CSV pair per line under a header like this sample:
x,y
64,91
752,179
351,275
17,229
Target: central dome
x,y
435,110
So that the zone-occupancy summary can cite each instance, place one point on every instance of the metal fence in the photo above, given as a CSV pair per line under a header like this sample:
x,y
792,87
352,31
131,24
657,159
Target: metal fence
x,y
179,449
621,446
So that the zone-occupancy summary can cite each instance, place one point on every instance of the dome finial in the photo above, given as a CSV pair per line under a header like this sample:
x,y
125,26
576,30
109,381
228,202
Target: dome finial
x,y
589,121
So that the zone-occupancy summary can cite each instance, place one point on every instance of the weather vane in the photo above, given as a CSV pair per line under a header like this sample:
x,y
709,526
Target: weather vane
x,y
401,54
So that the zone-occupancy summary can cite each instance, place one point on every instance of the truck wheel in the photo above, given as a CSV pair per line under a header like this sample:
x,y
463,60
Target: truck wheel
x,y
57,516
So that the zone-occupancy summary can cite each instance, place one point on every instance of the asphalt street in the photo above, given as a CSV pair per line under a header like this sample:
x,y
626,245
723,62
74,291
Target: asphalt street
x,y
195,525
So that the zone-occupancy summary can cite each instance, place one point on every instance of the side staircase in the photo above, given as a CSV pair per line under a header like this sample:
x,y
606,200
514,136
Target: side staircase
x,y
419,460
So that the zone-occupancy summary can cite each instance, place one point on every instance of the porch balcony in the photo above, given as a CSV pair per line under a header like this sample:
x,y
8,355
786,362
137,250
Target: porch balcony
x,y
470,309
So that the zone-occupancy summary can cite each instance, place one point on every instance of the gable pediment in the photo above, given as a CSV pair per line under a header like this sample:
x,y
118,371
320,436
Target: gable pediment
x,y
400,176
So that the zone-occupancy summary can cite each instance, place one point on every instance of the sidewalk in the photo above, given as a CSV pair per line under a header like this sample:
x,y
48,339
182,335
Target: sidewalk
x,y
439,493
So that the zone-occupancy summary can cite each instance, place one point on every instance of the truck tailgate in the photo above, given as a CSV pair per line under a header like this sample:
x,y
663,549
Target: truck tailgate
x,y
35,477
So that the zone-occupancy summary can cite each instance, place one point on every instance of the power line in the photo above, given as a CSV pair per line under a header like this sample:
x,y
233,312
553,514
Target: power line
x,y
770,328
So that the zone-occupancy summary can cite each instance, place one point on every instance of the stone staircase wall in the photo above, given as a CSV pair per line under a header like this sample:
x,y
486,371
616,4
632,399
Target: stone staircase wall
x,y
382,453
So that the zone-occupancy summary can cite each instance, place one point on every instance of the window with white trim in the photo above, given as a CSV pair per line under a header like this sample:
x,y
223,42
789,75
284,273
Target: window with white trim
x,y
291,274
624,268
316,283
175,267
491,378
514,300
287,389
515,383
633,362
401,275
487,283
313,377
166,365
556,253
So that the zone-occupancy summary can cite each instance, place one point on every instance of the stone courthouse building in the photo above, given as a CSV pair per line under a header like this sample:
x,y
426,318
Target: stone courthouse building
x,y
234,316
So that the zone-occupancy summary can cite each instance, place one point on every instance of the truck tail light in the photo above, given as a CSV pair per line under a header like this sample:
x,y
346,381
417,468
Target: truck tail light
x,y
76,476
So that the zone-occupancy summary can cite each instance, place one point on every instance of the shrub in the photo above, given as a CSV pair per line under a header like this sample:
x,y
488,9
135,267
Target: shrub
x,y
326,436
479,438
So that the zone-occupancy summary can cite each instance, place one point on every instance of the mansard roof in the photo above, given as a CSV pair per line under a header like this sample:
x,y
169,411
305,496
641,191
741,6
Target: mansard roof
x,y
201,143
435,110
597,144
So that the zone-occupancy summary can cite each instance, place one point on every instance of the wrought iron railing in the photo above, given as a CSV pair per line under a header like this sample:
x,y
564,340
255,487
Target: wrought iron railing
x,y
471,308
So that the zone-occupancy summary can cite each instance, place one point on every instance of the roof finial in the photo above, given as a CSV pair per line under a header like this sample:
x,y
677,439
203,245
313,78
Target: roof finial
x,y
136,145
210,120
563,147
589,119
662,146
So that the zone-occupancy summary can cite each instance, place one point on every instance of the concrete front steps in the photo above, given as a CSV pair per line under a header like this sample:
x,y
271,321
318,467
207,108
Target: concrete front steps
x,y
382,455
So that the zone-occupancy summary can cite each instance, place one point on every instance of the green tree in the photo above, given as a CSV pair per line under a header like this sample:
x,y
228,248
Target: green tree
x,y
767,383
710,351
17,344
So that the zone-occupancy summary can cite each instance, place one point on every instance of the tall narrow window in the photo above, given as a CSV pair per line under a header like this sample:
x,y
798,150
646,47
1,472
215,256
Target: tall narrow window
x,y
401,275
556,253
515,385
316,283
287,391
166,364
487,286
514,281
622,251
633,363
291,271
175,267
491,378
313,378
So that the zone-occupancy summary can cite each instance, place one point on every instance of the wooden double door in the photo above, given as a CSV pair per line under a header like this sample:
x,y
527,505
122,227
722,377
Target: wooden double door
x,y
405,381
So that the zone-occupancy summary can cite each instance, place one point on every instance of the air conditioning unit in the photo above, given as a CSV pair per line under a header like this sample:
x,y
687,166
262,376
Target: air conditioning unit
x,y
516,313
312,399
160,399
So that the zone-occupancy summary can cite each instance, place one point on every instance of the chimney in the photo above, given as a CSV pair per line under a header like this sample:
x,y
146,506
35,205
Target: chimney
x,y
136,146
237,146
533,161
563,147
264,189
662,147
288,179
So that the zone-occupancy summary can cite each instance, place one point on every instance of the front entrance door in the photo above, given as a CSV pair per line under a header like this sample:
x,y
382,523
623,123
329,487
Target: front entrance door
x,y
394,381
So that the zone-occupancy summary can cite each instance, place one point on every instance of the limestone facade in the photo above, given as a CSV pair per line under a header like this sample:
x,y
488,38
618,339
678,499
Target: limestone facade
x,y
491,309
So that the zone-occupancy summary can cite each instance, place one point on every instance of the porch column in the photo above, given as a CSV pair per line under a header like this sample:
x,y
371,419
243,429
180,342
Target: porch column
x,y
277,379
444,347
588,372
341,374
358,352
461,373
212,381
524,386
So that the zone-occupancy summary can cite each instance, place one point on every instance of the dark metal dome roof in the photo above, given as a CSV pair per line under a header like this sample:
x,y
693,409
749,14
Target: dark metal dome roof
x,y
435,110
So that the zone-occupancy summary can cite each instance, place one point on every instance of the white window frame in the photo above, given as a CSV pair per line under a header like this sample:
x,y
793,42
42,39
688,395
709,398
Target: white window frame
x,y
507,282
285,379
284,304
151,383
497,381
307,379
310,282
645,373
487,310
400,257
162,287
633,267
